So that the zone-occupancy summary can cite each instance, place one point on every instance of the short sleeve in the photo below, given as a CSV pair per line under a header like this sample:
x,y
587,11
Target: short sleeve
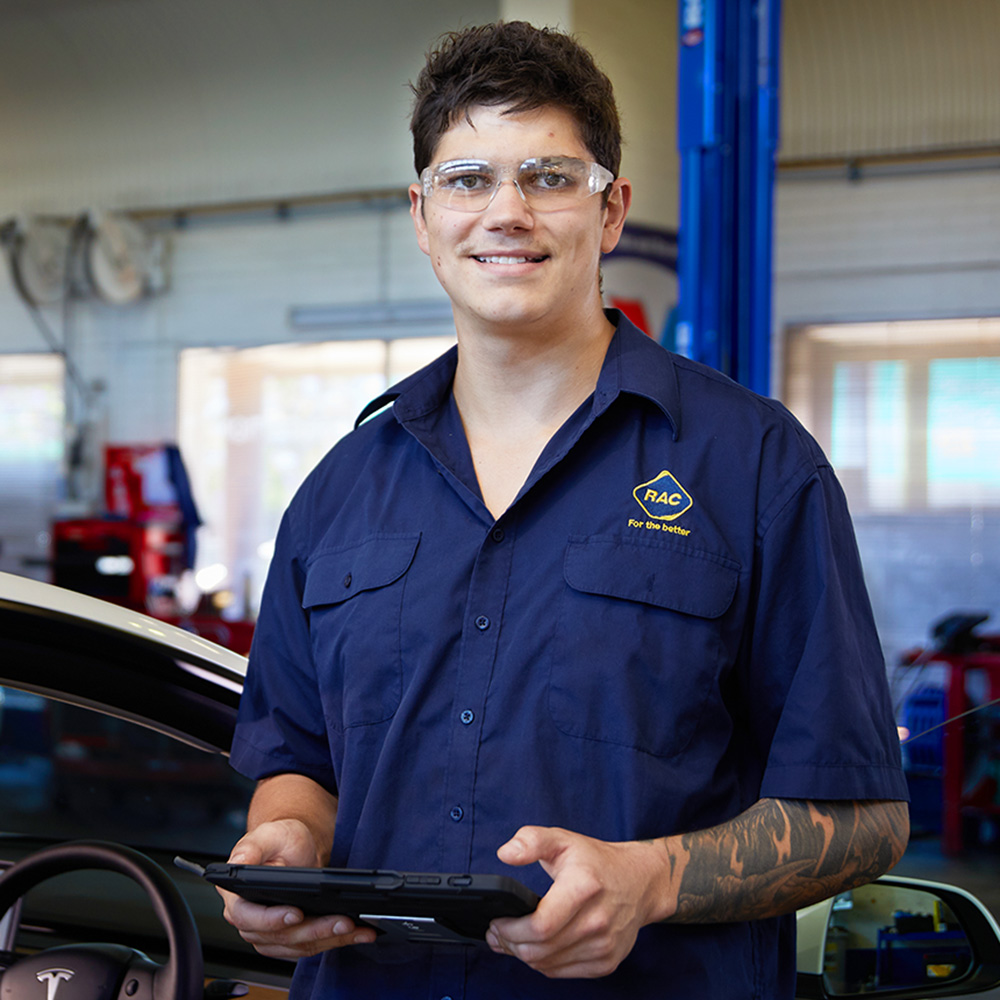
x,y
827,731
281,727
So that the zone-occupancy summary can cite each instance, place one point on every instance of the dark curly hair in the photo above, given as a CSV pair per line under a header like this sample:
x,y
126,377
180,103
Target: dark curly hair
x,y
514,63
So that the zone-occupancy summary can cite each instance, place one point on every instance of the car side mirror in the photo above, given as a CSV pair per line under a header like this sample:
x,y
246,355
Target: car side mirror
x,y
897,936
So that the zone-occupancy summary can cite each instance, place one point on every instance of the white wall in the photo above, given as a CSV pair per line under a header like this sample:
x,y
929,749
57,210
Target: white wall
x,y
169,102
864,77
900,247
635,43
915,246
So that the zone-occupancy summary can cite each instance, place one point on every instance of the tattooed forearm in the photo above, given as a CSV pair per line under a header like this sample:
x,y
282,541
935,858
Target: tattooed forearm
x,y
783,854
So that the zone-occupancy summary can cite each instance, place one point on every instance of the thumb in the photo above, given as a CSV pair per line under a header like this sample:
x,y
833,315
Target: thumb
x,y
254,848
531,844
245,854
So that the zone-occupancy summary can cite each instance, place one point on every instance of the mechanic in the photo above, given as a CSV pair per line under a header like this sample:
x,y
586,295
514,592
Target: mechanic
x,y
573,609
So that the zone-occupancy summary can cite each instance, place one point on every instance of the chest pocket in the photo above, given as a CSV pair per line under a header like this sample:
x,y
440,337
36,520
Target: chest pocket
x,y
639,642
354,595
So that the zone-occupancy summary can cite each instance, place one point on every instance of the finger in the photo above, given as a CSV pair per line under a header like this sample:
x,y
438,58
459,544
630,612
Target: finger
x,y
247,851
253,848
547,957
269,844
245,915
278,842
571,954
556,912
531,844
532,939
309,937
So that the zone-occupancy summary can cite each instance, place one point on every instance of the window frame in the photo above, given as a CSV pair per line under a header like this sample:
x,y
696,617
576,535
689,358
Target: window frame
x,y
808,389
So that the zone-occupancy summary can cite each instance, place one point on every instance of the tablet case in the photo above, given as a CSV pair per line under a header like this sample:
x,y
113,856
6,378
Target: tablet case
x,y
426,907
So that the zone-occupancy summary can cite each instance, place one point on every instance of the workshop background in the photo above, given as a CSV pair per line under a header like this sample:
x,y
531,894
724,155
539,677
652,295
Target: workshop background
x,y
212,269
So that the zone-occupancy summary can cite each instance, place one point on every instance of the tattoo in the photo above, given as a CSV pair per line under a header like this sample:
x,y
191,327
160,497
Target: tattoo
x,y
782,854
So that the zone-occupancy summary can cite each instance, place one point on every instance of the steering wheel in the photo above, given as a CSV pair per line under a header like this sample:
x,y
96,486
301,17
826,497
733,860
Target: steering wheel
x,y
105,971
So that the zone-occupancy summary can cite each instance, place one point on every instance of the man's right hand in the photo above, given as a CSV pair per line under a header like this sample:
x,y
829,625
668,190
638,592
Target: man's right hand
x,y
283,931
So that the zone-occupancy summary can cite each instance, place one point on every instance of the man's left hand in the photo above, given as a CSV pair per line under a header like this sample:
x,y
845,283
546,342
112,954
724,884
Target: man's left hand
x,y
601,894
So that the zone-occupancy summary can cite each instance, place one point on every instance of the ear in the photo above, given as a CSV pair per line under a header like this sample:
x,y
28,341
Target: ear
x,y
417,214
619,202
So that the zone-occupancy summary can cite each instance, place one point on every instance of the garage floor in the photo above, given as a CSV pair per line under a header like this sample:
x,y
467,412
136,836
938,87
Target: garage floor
x,y
977,870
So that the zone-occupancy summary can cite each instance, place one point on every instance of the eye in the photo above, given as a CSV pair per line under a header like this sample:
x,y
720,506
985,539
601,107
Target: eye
x,y
550,178
464,180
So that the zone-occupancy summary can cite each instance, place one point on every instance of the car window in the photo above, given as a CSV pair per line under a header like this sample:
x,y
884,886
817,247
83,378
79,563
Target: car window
x,y
69,772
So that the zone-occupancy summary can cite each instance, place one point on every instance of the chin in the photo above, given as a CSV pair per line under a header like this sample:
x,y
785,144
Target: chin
x,y
513,321
517,313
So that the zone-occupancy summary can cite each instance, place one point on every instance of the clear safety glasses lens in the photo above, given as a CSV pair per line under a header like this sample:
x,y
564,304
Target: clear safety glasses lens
x,y
546,184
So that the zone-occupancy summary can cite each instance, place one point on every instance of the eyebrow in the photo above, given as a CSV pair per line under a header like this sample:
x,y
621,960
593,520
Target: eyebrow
x,y
463,163
471,161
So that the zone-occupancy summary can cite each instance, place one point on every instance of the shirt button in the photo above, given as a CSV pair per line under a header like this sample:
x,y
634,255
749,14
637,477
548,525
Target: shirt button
x,y
457,813
482,623
347,580
498,534
467,716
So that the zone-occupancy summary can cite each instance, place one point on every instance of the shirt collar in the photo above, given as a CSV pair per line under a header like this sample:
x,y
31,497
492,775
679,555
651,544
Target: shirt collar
x,y
638,365
634,364
419,393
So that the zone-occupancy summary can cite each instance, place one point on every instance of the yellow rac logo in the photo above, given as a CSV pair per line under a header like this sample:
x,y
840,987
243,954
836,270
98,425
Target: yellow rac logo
x,y
663,498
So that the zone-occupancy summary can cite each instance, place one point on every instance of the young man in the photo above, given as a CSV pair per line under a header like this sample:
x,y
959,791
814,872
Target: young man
x,y
574,609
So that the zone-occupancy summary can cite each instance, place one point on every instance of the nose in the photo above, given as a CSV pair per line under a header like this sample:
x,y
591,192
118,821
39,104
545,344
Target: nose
x,y
507,208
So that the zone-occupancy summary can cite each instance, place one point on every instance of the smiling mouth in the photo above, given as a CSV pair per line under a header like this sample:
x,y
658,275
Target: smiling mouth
x,y
496,259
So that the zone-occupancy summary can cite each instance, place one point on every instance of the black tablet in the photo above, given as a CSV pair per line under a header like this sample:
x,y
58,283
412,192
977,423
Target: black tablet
x,y
428,907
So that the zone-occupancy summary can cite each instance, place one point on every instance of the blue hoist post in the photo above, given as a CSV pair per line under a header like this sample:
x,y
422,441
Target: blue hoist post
x,y
727,138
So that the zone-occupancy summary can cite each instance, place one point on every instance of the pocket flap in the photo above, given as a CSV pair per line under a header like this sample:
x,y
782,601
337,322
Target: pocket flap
x,y
691,581
335,575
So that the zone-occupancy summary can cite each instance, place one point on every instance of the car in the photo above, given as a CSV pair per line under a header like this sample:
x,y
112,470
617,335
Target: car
x,y
114,734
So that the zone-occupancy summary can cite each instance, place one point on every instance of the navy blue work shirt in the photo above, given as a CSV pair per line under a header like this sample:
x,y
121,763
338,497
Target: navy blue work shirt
x,y
667,624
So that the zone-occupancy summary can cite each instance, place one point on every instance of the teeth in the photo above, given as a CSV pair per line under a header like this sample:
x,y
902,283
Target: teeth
x,y
507,260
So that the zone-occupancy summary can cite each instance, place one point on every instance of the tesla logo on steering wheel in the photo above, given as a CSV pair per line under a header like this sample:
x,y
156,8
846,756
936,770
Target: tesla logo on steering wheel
x,y
52,978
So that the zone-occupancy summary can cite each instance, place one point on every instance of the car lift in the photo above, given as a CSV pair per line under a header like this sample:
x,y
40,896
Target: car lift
x,y
727,136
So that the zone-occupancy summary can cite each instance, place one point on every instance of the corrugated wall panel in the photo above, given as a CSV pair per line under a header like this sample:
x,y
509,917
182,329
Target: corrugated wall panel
x,y
167,102
889,76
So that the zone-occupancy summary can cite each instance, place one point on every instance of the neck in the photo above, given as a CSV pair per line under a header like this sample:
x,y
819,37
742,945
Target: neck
x,y
514,393
528,378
